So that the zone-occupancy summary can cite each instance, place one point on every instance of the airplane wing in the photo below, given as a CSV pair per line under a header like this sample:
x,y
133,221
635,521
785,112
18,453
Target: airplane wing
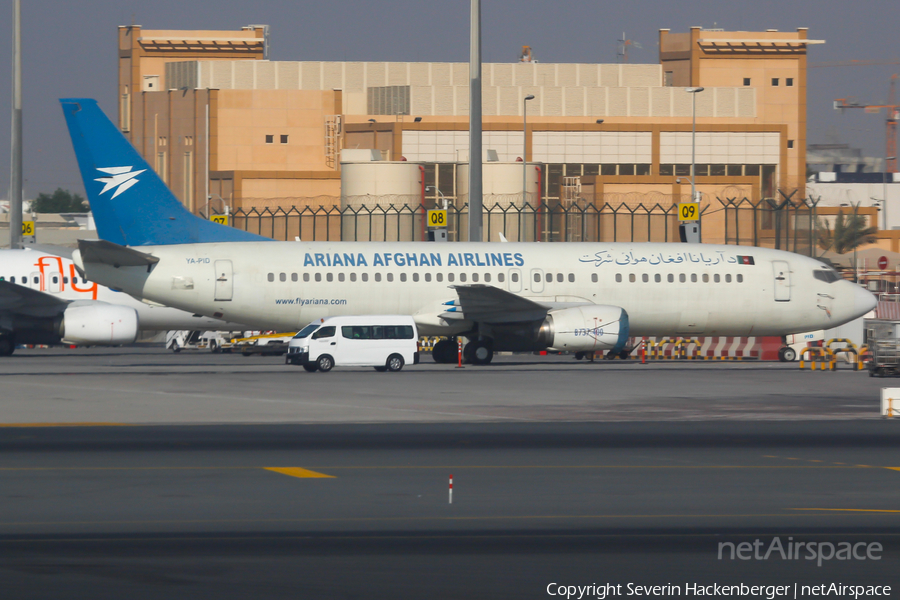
x,y
488,304
26,301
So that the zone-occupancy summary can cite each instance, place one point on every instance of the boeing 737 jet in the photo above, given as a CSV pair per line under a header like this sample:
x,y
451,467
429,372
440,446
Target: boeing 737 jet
x,y
43,300
499,296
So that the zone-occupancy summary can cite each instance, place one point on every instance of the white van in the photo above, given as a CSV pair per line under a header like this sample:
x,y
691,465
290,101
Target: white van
x,y
386,342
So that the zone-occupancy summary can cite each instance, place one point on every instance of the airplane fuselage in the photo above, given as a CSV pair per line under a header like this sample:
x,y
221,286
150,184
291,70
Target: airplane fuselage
x,y
666,289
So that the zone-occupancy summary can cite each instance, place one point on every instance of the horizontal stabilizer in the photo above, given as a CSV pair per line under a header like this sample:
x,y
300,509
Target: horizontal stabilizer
x,y
107,253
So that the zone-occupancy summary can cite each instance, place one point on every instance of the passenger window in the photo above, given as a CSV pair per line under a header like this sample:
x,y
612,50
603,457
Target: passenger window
x,y
740,279
537,277
12,279
329,276
657,278
571,277
645,278
377,276
55,279
427,276
37,279
500,277
271,277
282,277
671,278
559,277
593,278
415,277
706,278
632,278
515,277
365,276
306,277
462,277
324,332
352,276
716,278
340,276
728,278
439,276
450,277
682,278
403,277
618,278
475,277
294,277
487,277
693,278
548,277
65,280
318,277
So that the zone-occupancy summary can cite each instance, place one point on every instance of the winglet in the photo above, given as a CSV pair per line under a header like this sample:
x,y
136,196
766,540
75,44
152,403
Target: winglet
x,y
132,206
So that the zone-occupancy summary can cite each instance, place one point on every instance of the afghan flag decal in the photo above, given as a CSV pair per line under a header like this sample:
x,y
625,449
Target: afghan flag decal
x,y
745,260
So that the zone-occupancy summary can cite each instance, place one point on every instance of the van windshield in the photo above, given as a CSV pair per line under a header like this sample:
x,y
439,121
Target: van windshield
x,y
306,331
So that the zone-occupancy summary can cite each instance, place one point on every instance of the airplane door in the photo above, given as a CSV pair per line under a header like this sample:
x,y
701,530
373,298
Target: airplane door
x,y
515,280
782,272
537,281
224,280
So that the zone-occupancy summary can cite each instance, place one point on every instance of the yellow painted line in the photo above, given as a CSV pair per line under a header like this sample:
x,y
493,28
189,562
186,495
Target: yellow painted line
x,y
865,510
893,468
66,425
458,467
298,472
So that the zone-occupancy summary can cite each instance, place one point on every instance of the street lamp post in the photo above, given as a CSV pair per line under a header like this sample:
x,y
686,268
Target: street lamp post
x,y
440,194
693,91
525,147
887,159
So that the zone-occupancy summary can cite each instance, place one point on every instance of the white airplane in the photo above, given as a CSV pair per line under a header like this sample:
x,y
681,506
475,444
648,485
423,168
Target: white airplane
x,y
43,300
507,296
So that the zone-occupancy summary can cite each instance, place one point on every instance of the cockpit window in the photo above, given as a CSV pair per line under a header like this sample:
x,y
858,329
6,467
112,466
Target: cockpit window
x,y
826,275
306,331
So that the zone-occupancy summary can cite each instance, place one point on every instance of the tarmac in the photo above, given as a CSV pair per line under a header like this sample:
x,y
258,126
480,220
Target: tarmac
x,y
138,473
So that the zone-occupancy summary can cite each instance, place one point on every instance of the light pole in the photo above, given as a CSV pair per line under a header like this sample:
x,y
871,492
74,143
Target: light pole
x,y
693,91
440,194
887,159
525,147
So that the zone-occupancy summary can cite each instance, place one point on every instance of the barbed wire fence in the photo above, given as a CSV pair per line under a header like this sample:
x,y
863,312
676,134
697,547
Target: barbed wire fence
x,y
786,222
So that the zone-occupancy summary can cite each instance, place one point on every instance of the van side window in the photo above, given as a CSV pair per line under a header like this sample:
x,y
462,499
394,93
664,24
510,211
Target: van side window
x,y
376,332
324,332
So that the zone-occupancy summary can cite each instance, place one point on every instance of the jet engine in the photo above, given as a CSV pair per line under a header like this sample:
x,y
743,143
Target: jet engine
x,y
99,324
585,328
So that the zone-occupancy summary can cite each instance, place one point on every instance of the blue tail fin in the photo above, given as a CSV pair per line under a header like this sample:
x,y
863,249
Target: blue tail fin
x,y
131,204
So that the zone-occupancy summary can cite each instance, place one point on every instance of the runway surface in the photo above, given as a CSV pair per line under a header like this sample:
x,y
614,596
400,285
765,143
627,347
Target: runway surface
x,y
249,483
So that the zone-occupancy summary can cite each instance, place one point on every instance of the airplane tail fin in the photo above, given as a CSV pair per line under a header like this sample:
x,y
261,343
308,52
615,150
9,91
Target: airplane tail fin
x,y
132,206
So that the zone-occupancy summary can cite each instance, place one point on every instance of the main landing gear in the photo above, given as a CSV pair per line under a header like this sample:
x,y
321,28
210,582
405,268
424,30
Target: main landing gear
x,y
787,354
476,352
7,345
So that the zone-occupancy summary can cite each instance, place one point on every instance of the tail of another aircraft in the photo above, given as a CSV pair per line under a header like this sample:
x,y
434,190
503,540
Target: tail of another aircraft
x,y
131,204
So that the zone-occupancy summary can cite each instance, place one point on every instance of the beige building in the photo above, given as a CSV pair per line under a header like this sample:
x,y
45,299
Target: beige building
x,y
270,134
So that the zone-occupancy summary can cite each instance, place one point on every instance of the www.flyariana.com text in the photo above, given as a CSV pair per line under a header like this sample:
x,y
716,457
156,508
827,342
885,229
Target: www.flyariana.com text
x,y
770,592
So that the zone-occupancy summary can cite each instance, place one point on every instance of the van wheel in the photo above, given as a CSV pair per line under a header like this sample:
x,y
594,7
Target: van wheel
x,y
381,369
789,354
394,362
325,363
310,368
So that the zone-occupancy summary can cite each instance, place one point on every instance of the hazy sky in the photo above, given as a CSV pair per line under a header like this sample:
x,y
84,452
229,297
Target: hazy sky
x,y
69,49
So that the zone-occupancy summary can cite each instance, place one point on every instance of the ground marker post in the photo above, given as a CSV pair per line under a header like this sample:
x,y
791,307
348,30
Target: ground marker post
x,y
888,395
451,489
459,355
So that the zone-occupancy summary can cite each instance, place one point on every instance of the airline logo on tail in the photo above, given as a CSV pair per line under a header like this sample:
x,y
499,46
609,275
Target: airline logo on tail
x,y
121,178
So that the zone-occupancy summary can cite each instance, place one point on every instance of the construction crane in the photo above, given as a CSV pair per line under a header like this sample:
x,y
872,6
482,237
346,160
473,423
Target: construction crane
x,y
622,48
893,114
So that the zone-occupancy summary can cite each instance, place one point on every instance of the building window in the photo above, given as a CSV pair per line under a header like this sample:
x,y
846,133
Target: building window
x,y
735,170
607,169
790,143
701,170
774,82
666,169
789,82
669,79
626,169
717,170
642,169
284,139
746,81
270,139
683,170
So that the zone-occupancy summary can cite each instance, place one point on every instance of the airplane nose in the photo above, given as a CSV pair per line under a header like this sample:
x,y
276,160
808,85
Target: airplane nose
x,y
863,301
